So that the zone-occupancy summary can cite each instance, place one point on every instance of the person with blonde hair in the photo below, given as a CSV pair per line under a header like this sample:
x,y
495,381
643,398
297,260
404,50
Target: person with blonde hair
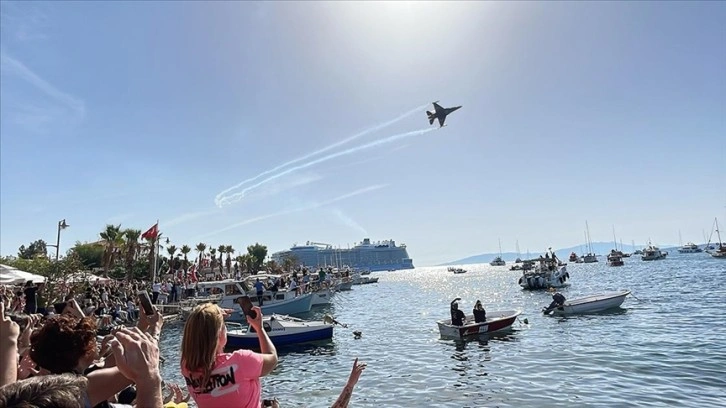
x,y
218,379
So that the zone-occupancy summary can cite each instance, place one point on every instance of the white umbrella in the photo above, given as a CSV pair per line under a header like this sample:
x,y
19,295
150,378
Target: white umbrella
x,y
86,277
14,276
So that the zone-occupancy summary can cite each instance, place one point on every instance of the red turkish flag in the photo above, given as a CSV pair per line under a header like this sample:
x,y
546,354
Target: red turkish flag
x,y
152,233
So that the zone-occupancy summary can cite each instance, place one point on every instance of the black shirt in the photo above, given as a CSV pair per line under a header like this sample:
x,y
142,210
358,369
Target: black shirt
x,y
480,315
457,317
30,294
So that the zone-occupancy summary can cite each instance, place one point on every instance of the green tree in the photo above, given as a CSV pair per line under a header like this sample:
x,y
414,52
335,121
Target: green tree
x,y
258,253
89,254
112,238
131,249
171,249
35,249
213,254
221,249
289,261
201,247
229,251
185,250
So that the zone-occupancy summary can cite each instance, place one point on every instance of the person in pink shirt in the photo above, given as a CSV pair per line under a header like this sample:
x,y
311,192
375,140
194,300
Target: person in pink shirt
x,y
218,379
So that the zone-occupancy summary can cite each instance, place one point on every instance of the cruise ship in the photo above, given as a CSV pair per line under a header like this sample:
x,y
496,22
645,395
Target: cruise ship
x,y
366,255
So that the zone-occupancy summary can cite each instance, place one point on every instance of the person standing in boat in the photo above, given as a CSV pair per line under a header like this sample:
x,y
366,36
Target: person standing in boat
x,y
480,315
457,316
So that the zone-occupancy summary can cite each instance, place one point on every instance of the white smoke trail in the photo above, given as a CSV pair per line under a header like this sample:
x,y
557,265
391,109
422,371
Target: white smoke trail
x,y
238,196
220,196
349,222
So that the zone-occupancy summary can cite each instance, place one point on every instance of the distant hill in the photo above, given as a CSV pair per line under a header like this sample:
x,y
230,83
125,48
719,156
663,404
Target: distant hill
x,y
600,248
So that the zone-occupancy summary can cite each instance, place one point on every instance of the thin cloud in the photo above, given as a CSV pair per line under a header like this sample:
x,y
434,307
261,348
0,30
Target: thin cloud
x,y
299,209
12,66
181,219
23,22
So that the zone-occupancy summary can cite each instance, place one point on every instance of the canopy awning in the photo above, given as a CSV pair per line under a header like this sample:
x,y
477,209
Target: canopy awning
x,y
14,276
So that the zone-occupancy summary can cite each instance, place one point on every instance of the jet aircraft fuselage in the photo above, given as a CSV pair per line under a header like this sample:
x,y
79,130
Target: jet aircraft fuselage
x,y
440,113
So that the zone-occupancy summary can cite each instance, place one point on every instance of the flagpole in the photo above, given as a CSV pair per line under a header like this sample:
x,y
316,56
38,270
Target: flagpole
x,y
156,253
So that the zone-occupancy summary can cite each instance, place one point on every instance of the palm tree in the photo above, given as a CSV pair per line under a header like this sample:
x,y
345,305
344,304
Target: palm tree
x,y
201,247
112,237
171,249
132,250
229,250
213,254
185,249
221,249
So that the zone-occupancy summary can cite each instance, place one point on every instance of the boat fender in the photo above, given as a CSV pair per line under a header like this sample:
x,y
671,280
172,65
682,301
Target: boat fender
x,y
520,280
567,275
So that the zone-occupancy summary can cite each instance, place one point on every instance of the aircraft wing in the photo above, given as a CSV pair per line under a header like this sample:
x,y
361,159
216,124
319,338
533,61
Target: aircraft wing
x,y
438,108
441,120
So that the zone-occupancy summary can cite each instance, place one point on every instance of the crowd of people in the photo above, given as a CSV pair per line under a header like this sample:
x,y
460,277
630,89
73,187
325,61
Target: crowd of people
x,y
55,357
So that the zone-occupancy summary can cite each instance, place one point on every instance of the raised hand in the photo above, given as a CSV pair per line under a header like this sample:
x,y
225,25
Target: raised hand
x,y
136,354
9,330
356,372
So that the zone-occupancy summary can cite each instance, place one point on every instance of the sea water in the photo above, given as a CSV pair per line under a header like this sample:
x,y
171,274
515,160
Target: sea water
x,y
666,345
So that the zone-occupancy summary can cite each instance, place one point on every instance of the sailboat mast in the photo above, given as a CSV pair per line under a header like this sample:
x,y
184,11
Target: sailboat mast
x,y
615,241
718,234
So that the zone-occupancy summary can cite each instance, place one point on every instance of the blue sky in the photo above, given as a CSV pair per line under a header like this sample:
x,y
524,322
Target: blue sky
x,y
609,112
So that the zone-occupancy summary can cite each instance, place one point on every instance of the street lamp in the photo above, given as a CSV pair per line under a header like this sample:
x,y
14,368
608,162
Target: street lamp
x,y
61,225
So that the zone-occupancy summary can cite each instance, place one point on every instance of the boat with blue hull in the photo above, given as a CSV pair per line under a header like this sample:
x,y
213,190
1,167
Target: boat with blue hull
x,y
282,330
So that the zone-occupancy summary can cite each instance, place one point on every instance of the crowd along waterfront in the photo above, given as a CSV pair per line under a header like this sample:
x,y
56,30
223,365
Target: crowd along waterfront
x,y
663,347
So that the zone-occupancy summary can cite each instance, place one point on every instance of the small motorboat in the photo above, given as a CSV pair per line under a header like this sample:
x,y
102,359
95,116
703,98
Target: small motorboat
x,y
496,321
587,304
282,329
456,270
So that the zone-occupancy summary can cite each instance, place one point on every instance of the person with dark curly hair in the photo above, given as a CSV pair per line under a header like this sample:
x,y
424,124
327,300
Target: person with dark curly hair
x,y
65,344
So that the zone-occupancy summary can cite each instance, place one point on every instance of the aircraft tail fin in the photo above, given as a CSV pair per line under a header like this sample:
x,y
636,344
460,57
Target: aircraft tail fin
x,y
431,117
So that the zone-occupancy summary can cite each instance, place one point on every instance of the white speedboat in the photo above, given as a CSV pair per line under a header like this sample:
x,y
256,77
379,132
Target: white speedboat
x,y
587,304
690,248
281,329
322,296
653,253
496,321
280,302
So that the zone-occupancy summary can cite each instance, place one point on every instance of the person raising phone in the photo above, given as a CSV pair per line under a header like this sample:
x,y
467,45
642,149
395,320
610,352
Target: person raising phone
x,y
218,379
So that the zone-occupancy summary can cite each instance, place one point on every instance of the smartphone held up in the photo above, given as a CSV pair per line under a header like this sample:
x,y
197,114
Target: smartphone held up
x,y
246,305
145,302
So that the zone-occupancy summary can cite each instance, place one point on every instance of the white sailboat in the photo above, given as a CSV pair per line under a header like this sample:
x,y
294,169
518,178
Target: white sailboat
x,y
590,257
498,261
720,252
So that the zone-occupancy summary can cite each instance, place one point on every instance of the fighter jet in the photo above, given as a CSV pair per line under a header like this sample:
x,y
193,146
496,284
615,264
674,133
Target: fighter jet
x,y
440,113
